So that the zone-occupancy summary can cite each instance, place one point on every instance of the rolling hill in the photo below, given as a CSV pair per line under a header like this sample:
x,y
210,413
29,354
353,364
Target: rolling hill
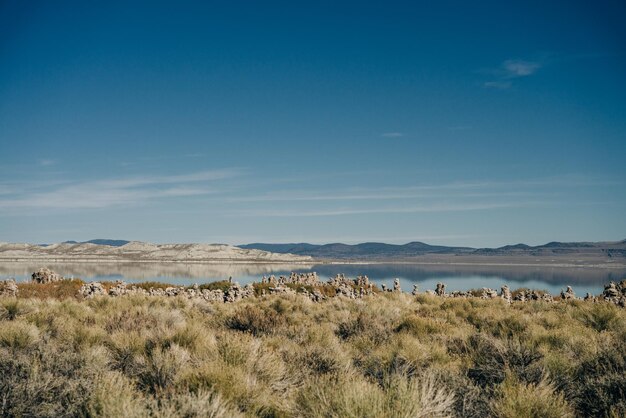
x,y
377,250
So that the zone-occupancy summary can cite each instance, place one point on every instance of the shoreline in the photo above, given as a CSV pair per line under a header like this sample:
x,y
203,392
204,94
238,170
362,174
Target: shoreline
x,y
311,262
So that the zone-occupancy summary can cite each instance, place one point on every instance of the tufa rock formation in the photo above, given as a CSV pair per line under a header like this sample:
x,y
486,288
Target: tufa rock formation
x,y
568,294
44,275
441,289
505,293
309,286
615,293
8,287
89,290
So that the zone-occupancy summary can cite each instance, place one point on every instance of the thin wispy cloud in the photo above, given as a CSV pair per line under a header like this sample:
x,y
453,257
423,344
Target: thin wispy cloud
x,y
510,70
461,189
500,85
6,189
459,128
447,207
519,68
392,135
372,195
46,162
94,196
463,196
142,160
171,179
105,193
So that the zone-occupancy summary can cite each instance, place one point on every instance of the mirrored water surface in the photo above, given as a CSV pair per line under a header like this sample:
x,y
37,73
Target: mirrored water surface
x,y
456,277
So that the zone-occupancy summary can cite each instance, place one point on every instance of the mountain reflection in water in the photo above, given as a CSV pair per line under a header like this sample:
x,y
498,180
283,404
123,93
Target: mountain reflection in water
x,y
456,277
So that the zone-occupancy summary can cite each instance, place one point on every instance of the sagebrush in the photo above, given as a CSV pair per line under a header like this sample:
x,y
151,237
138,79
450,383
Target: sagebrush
x,y
388,355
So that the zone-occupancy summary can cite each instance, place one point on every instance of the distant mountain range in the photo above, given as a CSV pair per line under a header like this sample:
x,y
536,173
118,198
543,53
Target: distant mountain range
x,y
377,250
94,251
366,249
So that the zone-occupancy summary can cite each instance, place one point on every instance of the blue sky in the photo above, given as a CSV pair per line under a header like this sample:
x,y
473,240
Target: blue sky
x,y
450,123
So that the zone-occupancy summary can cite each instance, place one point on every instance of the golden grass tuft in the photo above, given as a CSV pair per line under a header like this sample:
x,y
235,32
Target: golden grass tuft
x,y
391,355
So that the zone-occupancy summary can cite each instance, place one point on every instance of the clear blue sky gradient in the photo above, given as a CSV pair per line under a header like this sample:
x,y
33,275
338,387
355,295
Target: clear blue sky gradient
x,y
445,122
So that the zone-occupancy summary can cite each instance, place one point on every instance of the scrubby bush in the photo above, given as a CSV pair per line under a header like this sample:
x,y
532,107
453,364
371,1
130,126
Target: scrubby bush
x,y
201,404
11,308
44,381
391,355
515,399
355,397
255,320
598,387
599,316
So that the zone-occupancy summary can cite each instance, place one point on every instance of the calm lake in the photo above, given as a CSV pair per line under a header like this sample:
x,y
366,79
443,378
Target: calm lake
x,y
456,277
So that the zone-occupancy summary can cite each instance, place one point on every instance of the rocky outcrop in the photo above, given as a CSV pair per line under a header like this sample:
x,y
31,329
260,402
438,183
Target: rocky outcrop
x,y
309,286
45,275
315,295
347,291
305,279
235,292
589,297
440,289
118,289
281,290
89,290
352,288
363,281
8,287
505,293
568,294
611,291
615,293
458,294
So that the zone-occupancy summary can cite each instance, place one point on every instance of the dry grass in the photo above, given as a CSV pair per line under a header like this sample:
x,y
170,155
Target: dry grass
x,y
58,290
391,355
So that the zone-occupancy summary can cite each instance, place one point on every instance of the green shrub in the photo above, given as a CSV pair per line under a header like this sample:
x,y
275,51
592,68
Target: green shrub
x,y
160,367
203,404
599,316
18,335
114,395
283,355
11,308
366,324
255,320
48,382
356,397
488,357
598,387
515,399
419,326
222,285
